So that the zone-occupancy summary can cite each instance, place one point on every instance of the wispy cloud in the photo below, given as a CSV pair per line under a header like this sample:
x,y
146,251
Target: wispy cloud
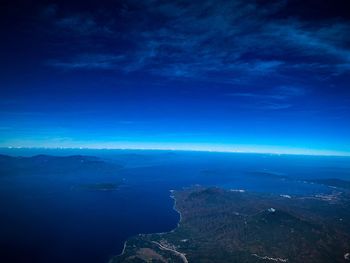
x,y
273,106
256,96
82,24
89,61
290,91
277,93
276,98
264,105
205,39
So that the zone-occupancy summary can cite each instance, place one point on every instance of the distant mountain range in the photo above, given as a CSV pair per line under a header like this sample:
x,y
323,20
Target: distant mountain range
x,y
40,164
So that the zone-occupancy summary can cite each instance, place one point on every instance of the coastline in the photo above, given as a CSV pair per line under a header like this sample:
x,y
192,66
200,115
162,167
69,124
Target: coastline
x,y
156,233
172,196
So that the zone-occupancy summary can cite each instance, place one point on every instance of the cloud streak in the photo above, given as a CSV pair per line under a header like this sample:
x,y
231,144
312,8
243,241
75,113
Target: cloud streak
x,y
277,98
226,41
89,62
276,93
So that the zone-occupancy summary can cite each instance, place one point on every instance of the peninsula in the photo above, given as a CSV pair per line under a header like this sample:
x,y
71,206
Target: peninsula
x,y
219,225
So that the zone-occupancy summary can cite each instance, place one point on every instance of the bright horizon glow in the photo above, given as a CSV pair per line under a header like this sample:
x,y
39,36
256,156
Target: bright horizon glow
x,y
258,149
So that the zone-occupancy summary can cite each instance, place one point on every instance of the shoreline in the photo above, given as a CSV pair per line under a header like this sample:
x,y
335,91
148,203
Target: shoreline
x,y
156,233
175,209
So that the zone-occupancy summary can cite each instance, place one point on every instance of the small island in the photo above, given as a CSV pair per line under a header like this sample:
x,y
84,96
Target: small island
x,y
101,186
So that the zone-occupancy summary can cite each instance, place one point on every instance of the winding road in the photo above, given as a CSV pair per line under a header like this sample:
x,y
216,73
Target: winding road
x,y
181,255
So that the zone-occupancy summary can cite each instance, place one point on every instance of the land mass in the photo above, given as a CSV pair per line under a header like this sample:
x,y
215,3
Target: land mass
x,y
333,182
219,225
57,165
101,186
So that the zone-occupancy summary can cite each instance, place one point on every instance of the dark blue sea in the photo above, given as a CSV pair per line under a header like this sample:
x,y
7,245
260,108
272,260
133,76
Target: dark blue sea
x,y
47,218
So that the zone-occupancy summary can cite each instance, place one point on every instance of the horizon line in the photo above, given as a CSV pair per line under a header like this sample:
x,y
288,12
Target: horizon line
x,y
326,153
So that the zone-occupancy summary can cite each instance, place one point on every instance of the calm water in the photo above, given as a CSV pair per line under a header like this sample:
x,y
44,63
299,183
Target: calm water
x,y
46,218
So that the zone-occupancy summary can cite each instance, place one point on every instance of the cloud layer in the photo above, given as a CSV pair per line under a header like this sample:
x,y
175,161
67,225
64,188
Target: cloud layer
x,y
225,40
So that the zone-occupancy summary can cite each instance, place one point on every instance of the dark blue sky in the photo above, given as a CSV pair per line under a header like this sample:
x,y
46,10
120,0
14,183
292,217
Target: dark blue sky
x,y
266,76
